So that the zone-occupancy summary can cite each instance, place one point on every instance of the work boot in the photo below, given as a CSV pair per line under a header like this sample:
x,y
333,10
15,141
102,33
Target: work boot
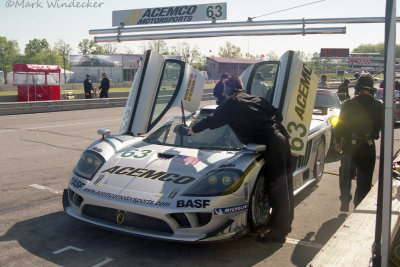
x,y
271,237
344,207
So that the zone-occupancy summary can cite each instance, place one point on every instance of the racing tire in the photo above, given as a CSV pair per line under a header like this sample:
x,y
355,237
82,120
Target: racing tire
x,y
259,209
319,163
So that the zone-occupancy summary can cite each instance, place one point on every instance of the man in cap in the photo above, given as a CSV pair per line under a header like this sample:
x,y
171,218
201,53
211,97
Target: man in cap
x,y
360,122
343,91
254,120
88,87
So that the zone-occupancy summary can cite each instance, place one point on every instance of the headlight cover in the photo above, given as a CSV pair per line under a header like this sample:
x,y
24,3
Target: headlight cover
x,y
88,164
334,120
217,183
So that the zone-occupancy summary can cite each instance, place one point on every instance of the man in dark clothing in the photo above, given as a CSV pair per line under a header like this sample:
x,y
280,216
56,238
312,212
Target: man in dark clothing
x,y
254,120
360,122
343,91
88,87
104,86
219,89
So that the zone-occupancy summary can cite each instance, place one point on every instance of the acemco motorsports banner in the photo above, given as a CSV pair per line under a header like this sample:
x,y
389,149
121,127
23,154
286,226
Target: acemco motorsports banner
x,y
173,14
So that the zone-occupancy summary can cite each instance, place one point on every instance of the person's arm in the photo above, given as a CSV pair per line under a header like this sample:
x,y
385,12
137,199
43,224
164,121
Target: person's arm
x,y
219,118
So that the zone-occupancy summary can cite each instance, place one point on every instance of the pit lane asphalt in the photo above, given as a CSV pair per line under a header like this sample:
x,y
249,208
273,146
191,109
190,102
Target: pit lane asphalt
x,y
41,149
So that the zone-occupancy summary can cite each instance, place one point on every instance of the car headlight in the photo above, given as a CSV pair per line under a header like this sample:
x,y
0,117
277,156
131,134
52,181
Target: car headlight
x,y
334,120
217,183
88,164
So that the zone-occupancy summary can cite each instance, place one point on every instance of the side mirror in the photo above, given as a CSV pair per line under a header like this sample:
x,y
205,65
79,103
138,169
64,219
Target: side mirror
x,y
103,132
256,147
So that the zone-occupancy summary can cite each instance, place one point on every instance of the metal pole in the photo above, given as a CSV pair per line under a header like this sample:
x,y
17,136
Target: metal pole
x,y
184,35
172,27
390,55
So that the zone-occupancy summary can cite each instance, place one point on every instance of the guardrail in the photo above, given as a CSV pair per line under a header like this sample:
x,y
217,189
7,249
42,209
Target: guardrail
x,y
12,108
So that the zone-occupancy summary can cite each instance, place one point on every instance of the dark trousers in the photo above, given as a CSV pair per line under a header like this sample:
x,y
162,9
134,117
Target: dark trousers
x,y
279,183
104,93
360,159
88,95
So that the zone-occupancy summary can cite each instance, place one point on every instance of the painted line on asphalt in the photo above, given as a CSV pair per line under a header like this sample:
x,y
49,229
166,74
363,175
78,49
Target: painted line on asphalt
x,y
53,126
67,248
304,243
41,187
107,260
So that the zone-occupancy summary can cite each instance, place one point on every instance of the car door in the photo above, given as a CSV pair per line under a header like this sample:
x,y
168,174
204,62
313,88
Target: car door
x,y
159,86
289,85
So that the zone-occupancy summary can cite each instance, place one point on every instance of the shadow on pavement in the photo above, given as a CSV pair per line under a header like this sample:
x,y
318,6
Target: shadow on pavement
x,y
302,254
43,235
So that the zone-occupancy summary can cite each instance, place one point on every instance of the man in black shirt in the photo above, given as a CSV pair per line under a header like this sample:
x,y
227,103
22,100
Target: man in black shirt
x,y
219,89
88,87
254,120
104,86
360,122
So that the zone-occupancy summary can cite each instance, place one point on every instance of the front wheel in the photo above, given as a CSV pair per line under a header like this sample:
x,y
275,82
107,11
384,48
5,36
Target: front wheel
x,y
259,208
319,163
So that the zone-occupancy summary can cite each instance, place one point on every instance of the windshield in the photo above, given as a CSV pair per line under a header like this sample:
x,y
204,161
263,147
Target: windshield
x,y
327,99
221,138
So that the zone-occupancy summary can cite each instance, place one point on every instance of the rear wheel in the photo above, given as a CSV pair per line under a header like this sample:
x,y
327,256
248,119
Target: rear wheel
x,y
319,163
259,208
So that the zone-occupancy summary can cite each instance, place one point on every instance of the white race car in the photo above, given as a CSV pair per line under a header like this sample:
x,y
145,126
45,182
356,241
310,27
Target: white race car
x,y
205,187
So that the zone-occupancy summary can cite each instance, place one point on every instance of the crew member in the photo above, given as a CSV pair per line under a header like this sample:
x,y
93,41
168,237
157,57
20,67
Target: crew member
x,y
254,120
343,91
219,89
360,122
322,83
259,88
104,86
88,87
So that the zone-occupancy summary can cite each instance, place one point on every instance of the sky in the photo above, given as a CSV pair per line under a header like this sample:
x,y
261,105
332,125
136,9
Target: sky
x,y
73,24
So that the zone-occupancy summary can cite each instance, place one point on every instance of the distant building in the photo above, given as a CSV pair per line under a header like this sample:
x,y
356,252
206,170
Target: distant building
x,y
216,66
119,67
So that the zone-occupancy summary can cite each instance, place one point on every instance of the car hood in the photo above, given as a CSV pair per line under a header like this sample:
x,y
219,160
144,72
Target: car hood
x,y
140,168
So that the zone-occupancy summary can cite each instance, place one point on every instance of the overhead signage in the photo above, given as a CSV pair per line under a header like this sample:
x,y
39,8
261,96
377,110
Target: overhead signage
x,y
172,14
334,52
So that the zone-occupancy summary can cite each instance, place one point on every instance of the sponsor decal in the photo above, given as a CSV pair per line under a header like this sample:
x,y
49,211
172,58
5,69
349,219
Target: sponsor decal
x,y
98,179
128,198
98,150
223,211
150,174
76,182
188,160
136,153
190,87
197,203
229,165
173,193
300,106
120,217
246,192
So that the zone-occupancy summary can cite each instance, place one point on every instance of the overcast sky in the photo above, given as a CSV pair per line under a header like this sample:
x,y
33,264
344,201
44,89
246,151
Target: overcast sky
x,y
73,24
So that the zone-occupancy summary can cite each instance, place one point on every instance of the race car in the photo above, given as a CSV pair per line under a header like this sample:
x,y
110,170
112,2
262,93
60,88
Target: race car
x,y
150,181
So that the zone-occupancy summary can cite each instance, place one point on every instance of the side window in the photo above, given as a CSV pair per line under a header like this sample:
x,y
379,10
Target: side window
x,y
262,79
171,78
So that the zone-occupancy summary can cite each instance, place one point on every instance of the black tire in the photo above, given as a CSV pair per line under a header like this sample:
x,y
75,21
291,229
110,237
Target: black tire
x,y
319,163
259,208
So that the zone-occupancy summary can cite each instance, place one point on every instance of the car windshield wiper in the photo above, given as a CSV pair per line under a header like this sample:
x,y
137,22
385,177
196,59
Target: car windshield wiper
x,y
217,148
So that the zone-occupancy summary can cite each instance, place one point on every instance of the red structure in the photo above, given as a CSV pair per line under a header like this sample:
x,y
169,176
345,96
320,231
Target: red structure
x,y
37,82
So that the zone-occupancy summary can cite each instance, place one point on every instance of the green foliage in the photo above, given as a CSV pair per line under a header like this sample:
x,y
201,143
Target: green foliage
x,y
8,54
189,54
230,50
158,45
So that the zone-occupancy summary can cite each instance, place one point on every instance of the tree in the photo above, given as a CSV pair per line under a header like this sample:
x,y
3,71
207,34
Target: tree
x,y
64,50
158,45
189,54
86,46
39,52
36,46
109,49
272,56
230,50
8,54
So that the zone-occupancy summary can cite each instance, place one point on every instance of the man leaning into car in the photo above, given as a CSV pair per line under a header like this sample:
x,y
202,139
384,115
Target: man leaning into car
x,y
254,120
360,122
